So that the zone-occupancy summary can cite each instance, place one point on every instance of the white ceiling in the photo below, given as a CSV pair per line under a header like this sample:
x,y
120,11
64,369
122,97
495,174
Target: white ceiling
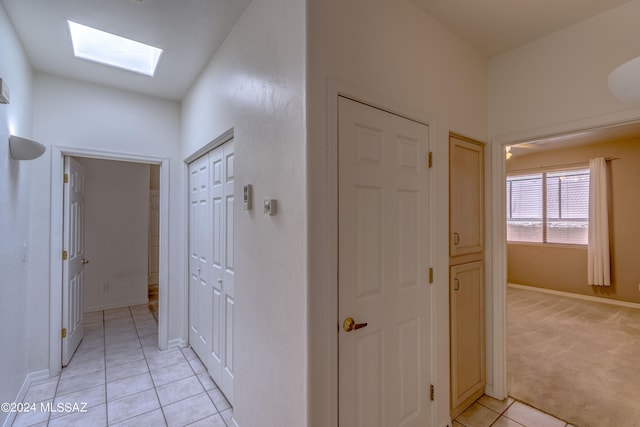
x,y
612,133
189,31
497,26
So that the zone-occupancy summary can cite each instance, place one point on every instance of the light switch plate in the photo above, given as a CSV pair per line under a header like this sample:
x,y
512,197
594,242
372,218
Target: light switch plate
x,y
270,207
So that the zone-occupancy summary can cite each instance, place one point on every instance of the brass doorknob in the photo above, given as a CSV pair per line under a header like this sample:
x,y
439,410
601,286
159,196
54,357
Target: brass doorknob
x,y
85,261
349,324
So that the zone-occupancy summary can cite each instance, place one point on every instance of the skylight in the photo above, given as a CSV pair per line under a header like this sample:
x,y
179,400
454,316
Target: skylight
x,y
109,49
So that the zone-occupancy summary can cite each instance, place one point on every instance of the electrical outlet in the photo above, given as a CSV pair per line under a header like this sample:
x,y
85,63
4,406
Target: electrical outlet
x,y
105,288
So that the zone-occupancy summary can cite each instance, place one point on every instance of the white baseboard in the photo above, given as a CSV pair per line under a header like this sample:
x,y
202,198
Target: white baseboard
x,y
116,305
577,296
39,376
177,343
28,380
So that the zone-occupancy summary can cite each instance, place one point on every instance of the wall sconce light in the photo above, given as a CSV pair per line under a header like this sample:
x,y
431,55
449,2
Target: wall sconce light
x,y
4,92
623,82
508,152
25,149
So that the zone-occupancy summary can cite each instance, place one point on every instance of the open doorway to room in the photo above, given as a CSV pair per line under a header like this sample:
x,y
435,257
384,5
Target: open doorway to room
x,y
571,346
110,257
122,206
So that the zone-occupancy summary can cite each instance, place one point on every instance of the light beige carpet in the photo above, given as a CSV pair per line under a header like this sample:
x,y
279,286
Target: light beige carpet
x,y
577,360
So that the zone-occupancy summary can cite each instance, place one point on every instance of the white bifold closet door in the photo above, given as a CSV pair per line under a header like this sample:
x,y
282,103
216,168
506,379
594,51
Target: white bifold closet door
x,y
211,263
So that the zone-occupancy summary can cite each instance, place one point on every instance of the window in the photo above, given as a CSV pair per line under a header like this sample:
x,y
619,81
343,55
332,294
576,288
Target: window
x,y
549,207
106,48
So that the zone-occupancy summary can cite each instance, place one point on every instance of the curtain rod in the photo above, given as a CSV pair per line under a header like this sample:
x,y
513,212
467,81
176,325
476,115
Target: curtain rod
x,y
563,166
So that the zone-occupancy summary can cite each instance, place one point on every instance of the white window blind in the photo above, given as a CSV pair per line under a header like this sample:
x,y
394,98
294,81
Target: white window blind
x,y
548,207
524,208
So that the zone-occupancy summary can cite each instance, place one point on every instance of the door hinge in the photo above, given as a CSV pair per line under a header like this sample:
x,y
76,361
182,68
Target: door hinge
x,y
64,335
65,179
430,159
430,274
432,392
64,255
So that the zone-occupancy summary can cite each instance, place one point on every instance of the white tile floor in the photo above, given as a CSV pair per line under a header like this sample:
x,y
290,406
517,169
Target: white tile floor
x,y
125,380
488,412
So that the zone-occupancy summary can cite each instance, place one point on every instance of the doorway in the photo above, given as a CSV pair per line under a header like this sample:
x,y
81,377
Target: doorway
x,y
110,231
57,233
555,294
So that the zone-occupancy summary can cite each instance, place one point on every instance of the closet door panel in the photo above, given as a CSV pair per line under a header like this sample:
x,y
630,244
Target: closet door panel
x,y
466,197
211,266
467,335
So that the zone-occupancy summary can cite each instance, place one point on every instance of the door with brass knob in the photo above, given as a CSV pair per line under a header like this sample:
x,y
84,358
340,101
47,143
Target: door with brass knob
x,y
383,276
349,324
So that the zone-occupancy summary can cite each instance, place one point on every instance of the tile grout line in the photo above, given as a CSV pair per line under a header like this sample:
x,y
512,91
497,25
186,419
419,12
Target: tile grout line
x,y
155,390
148,371
203,387
56,395
53,399
539,410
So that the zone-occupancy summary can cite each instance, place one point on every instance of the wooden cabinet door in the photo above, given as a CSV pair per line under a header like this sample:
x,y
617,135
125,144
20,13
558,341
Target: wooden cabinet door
x,y
467,335
466,196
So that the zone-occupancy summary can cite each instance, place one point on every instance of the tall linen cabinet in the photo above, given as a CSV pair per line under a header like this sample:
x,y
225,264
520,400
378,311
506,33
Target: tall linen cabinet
x,y
466,271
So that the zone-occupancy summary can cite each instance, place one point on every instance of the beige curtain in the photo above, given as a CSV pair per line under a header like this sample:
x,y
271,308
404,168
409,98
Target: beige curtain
x,y
599,270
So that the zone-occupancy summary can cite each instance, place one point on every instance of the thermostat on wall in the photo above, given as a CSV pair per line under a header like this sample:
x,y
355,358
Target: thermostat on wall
x,y
246,197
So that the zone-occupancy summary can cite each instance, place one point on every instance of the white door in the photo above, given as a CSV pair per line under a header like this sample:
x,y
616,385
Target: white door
x,y
73,265
211,268
221,162
383,263
199,255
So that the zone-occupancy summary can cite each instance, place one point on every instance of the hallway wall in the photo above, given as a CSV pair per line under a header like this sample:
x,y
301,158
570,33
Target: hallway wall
x,y
116,234
255,85
15,210
395,51
560,81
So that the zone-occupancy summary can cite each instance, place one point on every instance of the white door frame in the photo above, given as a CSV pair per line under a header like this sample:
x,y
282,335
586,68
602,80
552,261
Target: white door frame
x,y
55,272
335,90
499,280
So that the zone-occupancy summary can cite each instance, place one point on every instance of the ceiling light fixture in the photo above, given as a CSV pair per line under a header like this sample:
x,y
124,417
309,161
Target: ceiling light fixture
x,y
624,82
109,49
